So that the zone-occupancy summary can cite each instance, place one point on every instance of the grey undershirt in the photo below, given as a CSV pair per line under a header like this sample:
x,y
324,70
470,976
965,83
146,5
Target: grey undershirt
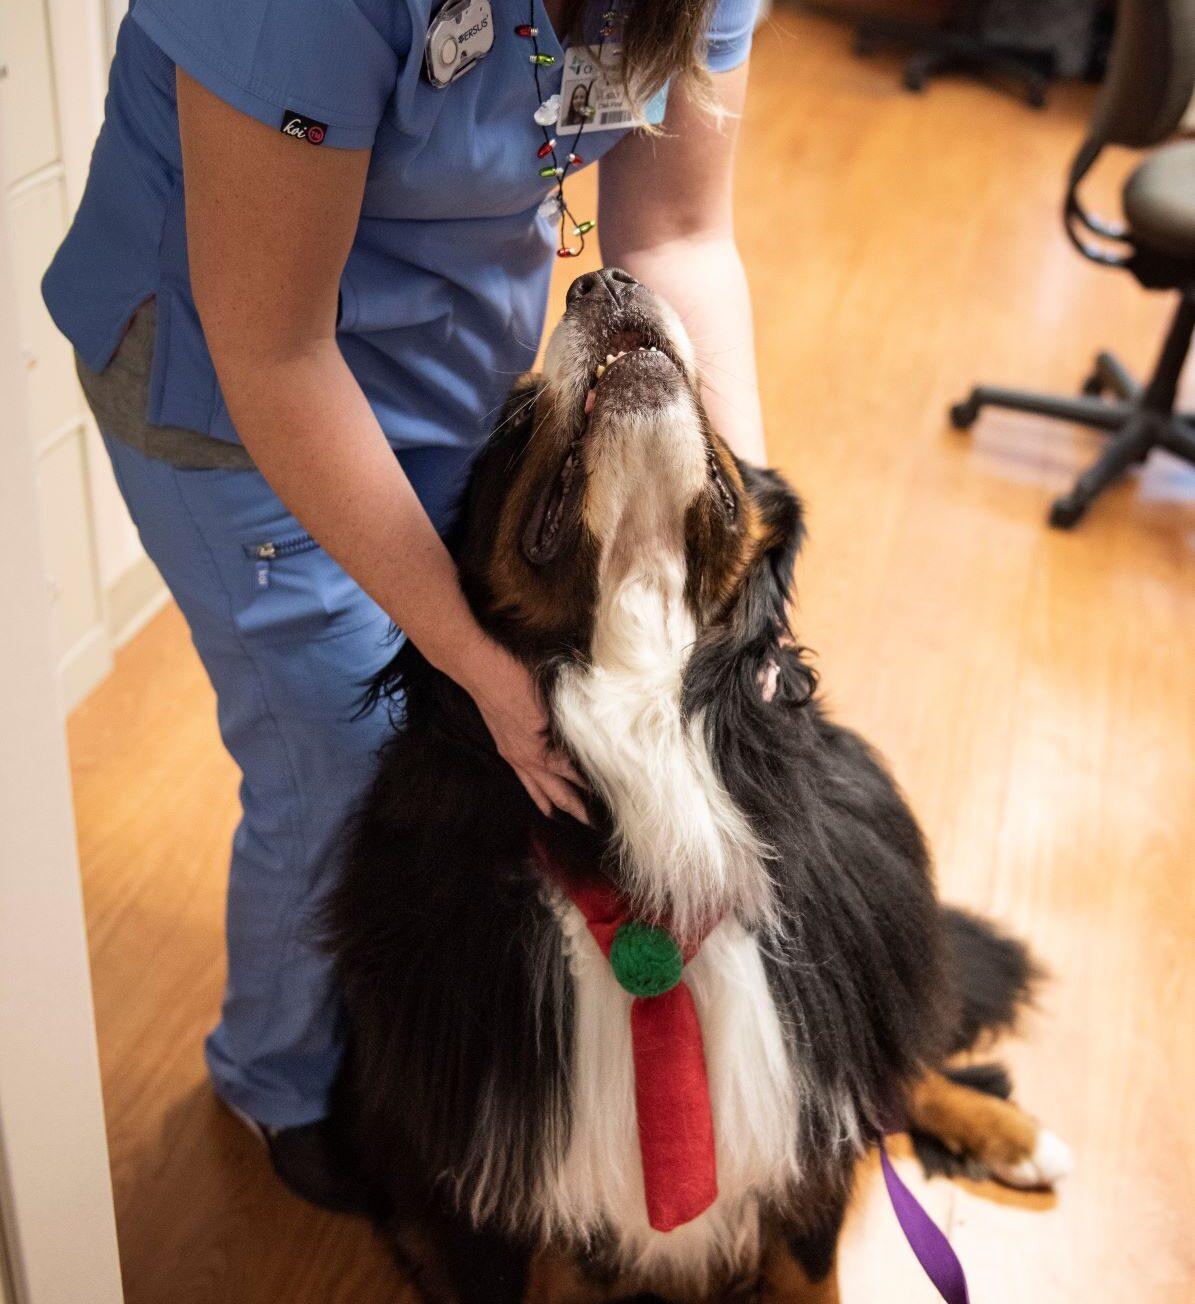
x,y
119,396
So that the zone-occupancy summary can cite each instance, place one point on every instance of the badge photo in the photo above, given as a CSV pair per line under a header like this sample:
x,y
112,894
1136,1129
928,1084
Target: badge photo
x,y
460,35
592,95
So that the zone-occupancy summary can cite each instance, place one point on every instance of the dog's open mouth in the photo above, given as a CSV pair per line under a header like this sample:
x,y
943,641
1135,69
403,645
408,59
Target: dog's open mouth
x,y
634,361
630,363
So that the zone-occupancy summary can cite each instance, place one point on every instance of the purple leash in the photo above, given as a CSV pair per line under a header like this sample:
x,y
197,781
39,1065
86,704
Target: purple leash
x,y
926,1240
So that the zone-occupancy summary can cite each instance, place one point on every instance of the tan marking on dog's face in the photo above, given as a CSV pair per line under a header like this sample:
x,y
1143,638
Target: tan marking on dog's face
x,y
732,549
548,599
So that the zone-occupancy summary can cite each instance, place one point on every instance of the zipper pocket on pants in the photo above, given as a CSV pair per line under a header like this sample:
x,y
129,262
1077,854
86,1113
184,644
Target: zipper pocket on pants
x,y
263,554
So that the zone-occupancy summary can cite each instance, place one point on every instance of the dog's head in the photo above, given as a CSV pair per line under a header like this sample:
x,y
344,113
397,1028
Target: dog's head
x,y
607,463
611,540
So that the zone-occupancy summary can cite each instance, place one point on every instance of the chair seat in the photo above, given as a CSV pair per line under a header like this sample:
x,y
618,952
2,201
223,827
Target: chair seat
x,y
1159,200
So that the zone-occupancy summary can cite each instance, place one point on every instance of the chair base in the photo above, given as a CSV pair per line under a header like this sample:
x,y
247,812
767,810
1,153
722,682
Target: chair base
x,y
953,48
1136,433
1139,417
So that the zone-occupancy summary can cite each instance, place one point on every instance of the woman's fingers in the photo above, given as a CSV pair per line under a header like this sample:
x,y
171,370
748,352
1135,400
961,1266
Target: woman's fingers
x,y
560,764
535,792
551,793
564,796
514,713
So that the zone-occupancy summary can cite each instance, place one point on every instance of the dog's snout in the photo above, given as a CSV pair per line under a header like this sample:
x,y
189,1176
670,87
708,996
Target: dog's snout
x,y
610,282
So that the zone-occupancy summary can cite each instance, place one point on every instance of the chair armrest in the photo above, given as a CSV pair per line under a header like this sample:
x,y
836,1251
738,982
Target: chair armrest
x,y
1076,216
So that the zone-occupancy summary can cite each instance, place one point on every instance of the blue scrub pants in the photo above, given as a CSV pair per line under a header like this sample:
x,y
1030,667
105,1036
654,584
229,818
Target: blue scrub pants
x,y
286,642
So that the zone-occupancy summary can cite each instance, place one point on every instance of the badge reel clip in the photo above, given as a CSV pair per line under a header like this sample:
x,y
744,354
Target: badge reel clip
x,y
460,36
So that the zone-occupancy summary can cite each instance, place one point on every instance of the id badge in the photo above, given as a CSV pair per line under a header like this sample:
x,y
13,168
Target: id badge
x,y
592,96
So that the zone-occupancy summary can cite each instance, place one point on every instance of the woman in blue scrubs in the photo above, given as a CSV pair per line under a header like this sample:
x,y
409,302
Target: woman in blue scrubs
x,y
300,282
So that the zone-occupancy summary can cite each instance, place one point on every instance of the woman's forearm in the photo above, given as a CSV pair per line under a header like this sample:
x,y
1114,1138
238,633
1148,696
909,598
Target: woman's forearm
x,y
309,428
666,214
704,281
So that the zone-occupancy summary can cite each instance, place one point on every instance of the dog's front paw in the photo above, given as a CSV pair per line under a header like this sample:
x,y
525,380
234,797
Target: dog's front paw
x,y
1046,1166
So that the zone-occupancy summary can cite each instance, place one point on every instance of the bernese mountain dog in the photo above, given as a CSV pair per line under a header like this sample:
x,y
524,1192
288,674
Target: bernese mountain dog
x,y
610,540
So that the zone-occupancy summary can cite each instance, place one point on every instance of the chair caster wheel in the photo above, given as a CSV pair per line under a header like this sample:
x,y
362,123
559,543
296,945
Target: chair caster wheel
x,y
913,80
1065,513
963,415
1093,386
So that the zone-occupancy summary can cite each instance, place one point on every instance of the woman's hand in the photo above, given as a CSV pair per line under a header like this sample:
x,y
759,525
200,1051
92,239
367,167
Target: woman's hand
x,y
510,705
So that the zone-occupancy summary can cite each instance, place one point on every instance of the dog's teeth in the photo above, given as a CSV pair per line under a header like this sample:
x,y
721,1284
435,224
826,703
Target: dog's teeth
x,y
601,369
609,358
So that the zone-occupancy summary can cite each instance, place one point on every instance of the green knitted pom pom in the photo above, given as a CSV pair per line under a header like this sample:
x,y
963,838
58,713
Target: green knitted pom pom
x,y
646,960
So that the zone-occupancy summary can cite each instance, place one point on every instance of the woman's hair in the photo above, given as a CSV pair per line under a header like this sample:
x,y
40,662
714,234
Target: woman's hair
x,y
662,40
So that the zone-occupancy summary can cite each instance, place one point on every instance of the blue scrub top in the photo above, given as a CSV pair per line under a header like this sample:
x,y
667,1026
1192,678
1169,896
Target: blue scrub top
x,y
444,292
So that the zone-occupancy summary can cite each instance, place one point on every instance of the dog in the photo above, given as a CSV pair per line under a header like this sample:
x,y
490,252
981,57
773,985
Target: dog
x,y
610,540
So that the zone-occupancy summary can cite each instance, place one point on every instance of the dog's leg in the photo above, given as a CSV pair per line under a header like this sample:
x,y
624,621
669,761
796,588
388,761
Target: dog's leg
x,y
556,1277
801,1267
997,1133
419,1251
445,1261
799,1270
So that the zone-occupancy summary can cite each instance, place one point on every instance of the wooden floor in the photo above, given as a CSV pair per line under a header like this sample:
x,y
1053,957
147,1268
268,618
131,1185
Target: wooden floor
x,y
1034,691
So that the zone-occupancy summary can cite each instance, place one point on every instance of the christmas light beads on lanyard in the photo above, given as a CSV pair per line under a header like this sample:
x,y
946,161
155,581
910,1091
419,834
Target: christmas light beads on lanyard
x,y
556,163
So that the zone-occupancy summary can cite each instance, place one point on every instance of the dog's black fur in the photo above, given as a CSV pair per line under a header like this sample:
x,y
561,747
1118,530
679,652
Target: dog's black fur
x,y
456,986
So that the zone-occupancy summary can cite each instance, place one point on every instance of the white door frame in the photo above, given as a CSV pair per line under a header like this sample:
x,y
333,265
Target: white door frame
x,y
58,1228
80,42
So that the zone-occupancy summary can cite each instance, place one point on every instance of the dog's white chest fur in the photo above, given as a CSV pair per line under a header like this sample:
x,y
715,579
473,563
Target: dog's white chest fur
x,y
686,851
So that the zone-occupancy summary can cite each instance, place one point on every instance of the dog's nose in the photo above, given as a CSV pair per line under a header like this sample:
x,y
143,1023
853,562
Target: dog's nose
x,y
610,282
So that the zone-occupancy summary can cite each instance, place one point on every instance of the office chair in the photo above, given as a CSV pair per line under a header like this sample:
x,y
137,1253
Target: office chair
x,y
1150,80
958,43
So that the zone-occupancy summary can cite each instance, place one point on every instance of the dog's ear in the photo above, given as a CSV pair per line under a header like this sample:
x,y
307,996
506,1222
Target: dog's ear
x,y
751,660
761,611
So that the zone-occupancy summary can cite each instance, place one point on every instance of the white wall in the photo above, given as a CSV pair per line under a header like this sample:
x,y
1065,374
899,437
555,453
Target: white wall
x,y
57,1230
55,53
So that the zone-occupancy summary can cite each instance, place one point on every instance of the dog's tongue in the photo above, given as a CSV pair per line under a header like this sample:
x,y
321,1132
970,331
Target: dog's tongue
x,y
590,400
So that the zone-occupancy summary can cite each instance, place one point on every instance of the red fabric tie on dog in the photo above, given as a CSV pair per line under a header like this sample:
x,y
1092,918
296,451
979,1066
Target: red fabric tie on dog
x,y
672,1092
